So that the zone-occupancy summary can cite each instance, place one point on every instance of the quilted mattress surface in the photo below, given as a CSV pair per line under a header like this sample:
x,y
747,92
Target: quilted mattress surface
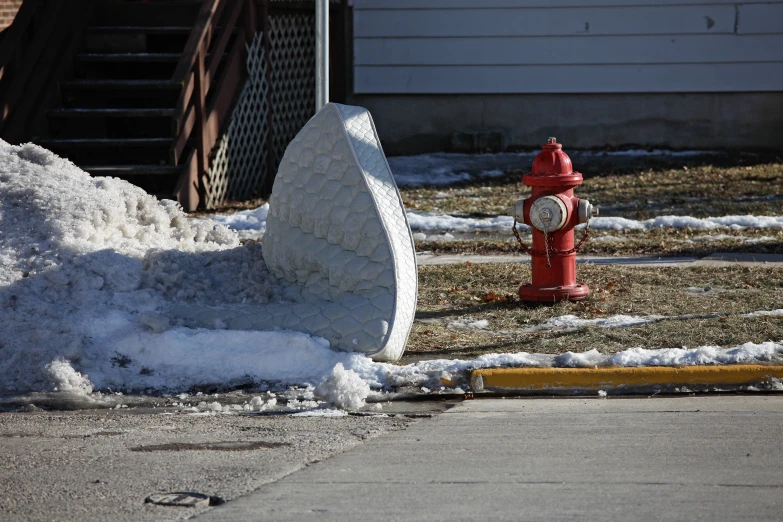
x,y
338,240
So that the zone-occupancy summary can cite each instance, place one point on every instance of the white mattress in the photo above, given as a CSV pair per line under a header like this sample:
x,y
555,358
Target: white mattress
x,y
338,239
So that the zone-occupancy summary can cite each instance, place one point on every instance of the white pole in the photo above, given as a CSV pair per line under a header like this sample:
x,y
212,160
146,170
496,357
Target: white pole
x,y
321,53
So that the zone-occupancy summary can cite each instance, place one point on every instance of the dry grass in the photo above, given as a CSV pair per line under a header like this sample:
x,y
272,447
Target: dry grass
x,y
641,189
639,192
475,292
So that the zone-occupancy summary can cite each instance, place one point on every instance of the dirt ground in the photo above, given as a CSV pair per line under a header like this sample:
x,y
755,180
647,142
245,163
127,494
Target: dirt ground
x,y
694,307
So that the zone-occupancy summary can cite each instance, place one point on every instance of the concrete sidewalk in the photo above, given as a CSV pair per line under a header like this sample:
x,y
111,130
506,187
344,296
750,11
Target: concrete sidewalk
x,y
685,458
717,259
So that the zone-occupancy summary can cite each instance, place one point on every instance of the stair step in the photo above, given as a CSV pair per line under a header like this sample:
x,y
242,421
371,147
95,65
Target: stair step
x,y
148,29
171,12
132,170
104,142
123,84
129,57
112,113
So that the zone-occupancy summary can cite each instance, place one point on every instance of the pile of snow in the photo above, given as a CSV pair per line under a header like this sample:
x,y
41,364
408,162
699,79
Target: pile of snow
x,y
66,379
249,224
343,388
88,266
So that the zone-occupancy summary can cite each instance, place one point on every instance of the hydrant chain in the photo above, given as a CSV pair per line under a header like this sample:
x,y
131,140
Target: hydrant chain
x,y
531,251
547,248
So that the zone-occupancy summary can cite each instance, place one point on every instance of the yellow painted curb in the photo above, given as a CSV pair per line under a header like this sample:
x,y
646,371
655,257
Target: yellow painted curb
x,y
599,378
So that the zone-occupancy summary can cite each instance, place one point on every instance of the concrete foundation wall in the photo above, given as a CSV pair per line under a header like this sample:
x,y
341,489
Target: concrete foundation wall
x,y
410,124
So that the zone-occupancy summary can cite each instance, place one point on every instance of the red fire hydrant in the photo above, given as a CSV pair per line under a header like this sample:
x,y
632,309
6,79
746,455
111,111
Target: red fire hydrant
x,y
553,212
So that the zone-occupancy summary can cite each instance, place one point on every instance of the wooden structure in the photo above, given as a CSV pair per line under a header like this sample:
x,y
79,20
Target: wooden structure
x,y
140,90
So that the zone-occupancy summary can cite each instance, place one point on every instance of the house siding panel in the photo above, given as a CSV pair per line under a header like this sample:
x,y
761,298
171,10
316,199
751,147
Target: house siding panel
x,y
503,46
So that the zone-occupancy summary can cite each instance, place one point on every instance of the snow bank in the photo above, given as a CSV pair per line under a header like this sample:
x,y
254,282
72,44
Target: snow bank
x,y
88,265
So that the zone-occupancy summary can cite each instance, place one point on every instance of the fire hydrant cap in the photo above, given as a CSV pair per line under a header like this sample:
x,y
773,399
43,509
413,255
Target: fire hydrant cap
x,y
550,163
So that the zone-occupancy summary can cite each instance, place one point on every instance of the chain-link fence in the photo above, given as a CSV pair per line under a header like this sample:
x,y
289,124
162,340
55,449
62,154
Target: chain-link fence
x,y
277,100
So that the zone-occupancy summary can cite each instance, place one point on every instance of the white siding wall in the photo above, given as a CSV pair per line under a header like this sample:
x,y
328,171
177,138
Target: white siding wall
x,y
567,46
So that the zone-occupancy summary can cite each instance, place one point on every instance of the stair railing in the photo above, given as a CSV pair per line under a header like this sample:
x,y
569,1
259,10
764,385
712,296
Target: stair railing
x,y
211,72
36,54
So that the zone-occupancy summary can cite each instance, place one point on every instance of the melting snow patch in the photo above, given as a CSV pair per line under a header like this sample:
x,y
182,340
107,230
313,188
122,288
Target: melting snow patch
x,y
328,412
589,359
760,239
467,324
430,222
716,237
610,239
765,313
433,222
453,168
747,353
572,322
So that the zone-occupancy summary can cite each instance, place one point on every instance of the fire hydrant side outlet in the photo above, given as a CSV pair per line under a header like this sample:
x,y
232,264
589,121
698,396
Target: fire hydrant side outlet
x,y
553,211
